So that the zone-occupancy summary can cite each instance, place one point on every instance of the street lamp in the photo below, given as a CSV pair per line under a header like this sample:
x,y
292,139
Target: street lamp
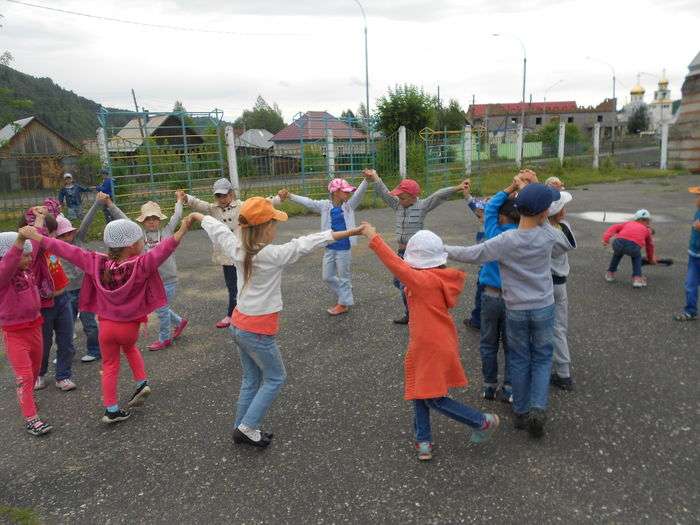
x,y
522,109
544,106
612,68
364,17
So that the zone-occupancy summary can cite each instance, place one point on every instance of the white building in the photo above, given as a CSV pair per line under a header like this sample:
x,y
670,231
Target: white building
x,y
660,109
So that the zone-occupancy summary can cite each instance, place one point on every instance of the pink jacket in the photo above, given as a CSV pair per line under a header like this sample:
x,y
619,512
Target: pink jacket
x,y
140,295
634,231
19,296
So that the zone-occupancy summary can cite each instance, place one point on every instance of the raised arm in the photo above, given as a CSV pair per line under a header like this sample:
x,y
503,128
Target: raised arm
x,y
87,222
10,262
73,254
395,264
174,220
440,196
220,234
491,214
359,194
113,208
152,259
311,204
383,191
292,251
198,205
490,250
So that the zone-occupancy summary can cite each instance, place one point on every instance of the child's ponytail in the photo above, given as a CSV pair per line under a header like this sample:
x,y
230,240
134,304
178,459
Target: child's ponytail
x,y
252,238
114,254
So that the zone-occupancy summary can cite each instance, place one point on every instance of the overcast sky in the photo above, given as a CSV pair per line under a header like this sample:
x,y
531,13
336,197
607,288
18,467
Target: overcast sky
x,y
309,55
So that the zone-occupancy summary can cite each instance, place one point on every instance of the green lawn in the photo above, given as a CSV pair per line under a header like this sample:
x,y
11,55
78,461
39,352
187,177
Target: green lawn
x,y
18,516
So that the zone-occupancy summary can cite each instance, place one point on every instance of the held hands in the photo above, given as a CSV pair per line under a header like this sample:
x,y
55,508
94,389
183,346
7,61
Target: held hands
x,y
103,198
29,232
465,187
283,194
368,230
180,196
370,175
40,211
194,217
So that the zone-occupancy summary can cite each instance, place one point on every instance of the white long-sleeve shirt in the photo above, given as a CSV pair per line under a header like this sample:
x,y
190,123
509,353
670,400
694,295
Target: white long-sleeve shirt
x,y
262,295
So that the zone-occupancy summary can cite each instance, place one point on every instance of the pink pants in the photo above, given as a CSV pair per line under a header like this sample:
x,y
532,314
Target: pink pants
x,y
116,337
24,352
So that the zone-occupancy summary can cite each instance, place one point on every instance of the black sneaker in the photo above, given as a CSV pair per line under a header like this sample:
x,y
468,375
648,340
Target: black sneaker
x,y
401,320
37,427
564,383
239,438
520,420
535,422
115,417
139,396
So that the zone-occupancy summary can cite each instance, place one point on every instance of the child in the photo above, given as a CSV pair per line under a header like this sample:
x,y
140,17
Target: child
x,y
630,238
20,321
337,214
692,279
555,182
524,257
107,187
410,214
255,320
431,365
500,216
225,210
561,373
477,208
71,196
151,217
121,288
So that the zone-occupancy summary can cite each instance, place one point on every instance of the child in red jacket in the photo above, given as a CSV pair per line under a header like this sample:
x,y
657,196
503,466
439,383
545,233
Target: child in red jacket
x,y
432,365
630,238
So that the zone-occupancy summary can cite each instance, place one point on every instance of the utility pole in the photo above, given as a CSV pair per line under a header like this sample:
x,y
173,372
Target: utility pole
x,y
136,108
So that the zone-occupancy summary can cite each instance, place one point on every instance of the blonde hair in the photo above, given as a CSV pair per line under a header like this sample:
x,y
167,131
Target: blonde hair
x,y
254,239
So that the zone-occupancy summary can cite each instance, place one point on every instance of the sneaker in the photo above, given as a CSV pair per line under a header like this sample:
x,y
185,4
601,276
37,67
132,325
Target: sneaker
x,y
180,328
685,316
40,383
401,320
139,396
88,358
425,450
489,393
115,417
485,433
159,345
610,276
338,309
535,422
564,383
639,282
224,323
471,325
505,394
55,360
520,420
37,427
239,438
65,385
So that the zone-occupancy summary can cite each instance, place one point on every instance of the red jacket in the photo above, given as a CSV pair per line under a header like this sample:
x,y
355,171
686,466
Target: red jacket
x,y
633,231
432,365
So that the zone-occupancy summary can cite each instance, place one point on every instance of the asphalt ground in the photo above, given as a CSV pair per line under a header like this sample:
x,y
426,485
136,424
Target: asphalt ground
x,y
622,448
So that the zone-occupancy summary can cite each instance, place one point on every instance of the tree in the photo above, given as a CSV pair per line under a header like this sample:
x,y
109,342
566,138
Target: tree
x,y
639,120
405,105
262,116
451,118
178,107
549,135
347,114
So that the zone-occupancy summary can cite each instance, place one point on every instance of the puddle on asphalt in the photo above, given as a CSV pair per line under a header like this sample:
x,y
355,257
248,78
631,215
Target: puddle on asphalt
x,y
614,216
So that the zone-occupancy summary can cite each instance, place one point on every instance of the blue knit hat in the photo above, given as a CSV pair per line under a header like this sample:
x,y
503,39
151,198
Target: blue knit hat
x,y
535,198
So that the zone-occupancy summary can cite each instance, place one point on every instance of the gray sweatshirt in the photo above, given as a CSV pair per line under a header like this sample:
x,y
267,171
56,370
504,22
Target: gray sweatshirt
x,y
524,260
560,264
74,273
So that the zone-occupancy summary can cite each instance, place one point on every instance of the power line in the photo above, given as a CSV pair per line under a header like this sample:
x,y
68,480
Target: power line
x,y
146,24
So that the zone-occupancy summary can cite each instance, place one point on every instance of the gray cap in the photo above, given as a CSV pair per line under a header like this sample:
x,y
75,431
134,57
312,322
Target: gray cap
x,y
222,187
122,233
7,239
67,176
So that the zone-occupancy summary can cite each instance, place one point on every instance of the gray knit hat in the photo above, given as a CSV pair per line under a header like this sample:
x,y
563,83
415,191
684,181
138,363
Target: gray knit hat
x,y
122,233
7,239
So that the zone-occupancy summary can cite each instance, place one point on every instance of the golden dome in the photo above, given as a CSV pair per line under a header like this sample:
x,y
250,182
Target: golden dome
x,y
637,90
663,82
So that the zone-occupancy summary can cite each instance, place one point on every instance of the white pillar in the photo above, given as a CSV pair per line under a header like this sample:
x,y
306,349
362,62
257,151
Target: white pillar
x,y
102,147
562,139
596,145
519,150
232,162
467,151
402,152
330,154
663,163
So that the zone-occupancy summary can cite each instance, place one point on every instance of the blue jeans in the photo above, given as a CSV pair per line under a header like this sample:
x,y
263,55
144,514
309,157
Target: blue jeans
x,y
336,273
401,286
87,319
74,212
475,317
231,278
446,406
263,376
530,342
59,320
166,317
493,331
622,247
692,281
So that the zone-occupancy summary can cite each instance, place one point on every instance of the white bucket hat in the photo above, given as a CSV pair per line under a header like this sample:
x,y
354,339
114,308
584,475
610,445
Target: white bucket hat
x,y
425,250
150,209
564,198
642,214
122,233
7,239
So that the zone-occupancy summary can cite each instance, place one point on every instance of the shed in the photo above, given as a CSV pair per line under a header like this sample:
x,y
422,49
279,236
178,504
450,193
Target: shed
x,y
162,128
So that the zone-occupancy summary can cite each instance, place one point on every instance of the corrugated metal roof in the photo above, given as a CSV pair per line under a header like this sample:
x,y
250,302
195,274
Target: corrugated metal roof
x,y
11,129
130,136
479,110
312,125
255,138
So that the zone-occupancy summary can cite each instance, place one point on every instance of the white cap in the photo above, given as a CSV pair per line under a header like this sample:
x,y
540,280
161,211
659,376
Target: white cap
x,y
642,214
122,233
222,187
7,239
564,198
425,250
67,176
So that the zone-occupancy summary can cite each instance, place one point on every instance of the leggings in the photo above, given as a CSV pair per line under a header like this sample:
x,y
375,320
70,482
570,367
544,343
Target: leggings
x,y
24,350
115,337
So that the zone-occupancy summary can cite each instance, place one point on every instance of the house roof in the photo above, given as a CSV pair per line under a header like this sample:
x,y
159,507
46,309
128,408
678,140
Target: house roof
x,y
312,125
130,136
11,129
515,108
255,138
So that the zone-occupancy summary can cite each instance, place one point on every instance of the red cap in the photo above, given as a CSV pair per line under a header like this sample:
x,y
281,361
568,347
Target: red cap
x,y
406,186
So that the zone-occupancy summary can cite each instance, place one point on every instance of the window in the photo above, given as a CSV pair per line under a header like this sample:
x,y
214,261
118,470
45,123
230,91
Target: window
x,y
600,118
538,120
513,120
570,120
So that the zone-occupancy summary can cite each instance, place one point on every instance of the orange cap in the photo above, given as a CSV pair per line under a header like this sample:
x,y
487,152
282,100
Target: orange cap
x,y
257,210
694,189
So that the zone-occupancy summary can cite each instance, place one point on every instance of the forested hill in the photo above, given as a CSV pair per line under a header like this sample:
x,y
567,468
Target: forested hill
x,y
73,116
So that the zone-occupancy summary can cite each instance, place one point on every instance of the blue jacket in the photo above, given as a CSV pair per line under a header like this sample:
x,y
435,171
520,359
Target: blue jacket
x,y
72,196
107,187
489,275
694,246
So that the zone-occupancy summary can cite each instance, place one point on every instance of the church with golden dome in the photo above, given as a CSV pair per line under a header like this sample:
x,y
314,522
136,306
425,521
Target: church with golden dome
x,y
660,109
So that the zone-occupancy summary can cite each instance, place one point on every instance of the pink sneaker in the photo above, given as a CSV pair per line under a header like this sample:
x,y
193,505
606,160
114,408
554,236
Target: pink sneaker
x,y
180,328
159,345
224,323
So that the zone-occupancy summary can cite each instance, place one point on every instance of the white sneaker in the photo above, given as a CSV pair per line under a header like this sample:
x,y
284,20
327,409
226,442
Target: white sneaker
x,y
40,383
55,361
610,276
639,282
88,358
66,385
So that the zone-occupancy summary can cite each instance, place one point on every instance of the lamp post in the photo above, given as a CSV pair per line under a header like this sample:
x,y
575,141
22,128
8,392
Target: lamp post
x,y
544,106
522,45
364,17
614,81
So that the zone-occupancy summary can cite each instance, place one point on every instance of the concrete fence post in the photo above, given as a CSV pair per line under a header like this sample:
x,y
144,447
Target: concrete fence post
x,y
330,154
519,150
402,152
596,145
663,162
232,162
102,147
468,151
562,139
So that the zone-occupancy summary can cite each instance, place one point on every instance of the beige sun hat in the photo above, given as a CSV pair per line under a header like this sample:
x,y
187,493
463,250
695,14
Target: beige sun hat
x,y
150,209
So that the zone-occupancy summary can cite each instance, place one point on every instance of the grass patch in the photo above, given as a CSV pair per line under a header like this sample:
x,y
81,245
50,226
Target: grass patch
x,y
18,516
